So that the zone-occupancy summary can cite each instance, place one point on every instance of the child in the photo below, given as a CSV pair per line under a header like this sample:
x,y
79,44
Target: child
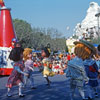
x,y
27,54
16,77
46,64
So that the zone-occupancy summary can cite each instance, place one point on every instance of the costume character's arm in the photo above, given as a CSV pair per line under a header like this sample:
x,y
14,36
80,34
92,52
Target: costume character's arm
x,y
84,74
18,69
30,68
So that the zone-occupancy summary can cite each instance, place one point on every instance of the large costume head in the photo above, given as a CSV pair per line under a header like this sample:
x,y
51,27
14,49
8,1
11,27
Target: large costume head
x,y
26,52
84,49
16,54
45,52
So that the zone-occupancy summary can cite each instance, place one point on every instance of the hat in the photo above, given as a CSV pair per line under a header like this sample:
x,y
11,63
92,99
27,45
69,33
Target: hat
x,y
14,40
87,44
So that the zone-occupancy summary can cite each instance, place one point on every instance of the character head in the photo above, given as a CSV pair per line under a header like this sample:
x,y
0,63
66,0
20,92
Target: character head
x,y
17,44
45,52
16,54
27,53
84,49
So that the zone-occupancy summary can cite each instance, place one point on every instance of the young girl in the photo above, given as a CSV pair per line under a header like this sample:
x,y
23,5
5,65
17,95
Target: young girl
x,y
46,64
27,54
16,77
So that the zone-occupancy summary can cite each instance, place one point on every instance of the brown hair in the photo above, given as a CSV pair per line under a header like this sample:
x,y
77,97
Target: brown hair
x,y
82,51
26,52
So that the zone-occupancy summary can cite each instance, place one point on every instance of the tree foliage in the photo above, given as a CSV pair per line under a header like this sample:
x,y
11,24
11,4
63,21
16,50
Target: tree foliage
x,y
38,37
23,32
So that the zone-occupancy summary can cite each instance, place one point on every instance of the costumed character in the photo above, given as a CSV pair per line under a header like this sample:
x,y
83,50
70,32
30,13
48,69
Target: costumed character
x,y
92,71
29,68
75,69
16,77
47,65
17,44
98,57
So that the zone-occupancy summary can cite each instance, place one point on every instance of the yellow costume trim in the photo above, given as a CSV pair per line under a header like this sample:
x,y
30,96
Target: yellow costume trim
x,y
47,71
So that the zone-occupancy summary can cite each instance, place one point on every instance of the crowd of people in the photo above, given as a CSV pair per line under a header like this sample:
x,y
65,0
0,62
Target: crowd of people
x,y
82,68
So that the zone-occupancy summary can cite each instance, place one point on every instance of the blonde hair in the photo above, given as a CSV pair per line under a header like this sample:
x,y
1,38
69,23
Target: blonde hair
x,y
26,52
82,51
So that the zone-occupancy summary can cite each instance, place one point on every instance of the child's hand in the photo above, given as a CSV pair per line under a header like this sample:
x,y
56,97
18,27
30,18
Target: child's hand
x,y
86,82
32,69
26,74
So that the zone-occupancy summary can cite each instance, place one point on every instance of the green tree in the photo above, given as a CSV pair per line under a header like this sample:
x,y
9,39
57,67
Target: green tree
x,y
38,37
23,32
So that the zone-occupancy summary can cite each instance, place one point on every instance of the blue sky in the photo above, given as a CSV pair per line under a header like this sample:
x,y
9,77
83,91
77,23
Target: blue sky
x,y
57,14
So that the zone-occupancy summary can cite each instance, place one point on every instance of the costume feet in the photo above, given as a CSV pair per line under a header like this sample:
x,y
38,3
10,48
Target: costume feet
x,y
96,95
90,98
21,95
9,95
33,87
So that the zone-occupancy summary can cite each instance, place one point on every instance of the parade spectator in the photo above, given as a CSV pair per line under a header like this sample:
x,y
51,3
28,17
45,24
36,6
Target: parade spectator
x,y
72,55
14,40
56,67
29,68
16,77
68,57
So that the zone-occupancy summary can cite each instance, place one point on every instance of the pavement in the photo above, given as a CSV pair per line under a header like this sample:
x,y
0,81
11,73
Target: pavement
x,y
58,90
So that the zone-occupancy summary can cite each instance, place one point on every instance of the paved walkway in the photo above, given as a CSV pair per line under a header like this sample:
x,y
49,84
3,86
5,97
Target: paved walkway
x,y
59,89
